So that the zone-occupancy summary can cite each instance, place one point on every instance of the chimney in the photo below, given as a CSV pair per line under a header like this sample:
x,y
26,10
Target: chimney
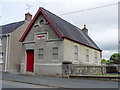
x,y
85,30
28,17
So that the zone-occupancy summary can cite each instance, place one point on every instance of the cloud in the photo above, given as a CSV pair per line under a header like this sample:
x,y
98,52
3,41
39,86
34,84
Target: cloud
x,y
108,53
102,23
107,40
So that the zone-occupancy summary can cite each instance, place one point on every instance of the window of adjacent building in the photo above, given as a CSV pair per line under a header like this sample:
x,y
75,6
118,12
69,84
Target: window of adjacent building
x,y
96,58
55,53
76,53
40,55
0,42
1,57
87,55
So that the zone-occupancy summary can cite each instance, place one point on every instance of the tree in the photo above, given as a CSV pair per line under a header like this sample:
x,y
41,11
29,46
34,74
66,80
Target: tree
x,y
115,58
104,61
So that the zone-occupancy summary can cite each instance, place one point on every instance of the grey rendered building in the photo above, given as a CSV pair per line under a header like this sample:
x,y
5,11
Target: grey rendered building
x,y
49,40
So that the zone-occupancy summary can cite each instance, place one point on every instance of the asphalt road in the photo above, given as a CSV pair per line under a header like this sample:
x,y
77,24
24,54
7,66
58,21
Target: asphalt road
x,y
60,82
11,84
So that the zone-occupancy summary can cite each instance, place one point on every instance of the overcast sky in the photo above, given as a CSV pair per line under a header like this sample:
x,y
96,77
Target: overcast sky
x,y
102,23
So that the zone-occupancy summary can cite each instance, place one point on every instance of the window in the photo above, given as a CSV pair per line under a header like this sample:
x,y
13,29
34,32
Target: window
x,y
1,57
87,55
0,42
96,58
55,53
41,22
40,55
76,53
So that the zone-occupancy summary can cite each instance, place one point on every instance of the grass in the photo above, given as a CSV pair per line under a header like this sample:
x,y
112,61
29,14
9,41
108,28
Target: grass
x,y
107,74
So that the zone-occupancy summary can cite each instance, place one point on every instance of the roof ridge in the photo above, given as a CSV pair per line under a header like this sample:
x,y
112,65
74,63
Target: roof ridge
x,y
12,23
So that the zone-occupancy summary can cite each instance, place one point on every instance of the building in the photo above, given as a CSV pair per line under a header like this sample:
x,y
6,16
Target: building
x,y
10,47
49,40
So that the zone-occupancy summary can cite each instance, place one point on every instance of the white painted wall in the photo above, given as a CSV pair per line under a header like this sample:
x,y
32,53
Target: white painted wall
x,y
69,53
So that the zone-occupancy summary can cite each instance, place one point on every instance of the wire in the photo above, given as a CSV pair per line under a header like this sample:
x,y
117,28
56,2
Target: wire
x,y
89,9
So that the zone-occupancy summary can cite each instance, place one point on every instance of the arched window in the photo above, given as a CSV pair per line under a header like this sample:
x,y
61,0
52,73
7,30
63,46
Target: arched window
x,y
41,22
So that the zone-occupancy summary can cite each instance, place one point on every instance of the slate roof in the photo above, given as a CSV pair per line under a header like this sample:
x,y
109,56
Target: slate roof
x,y
5,29
64,29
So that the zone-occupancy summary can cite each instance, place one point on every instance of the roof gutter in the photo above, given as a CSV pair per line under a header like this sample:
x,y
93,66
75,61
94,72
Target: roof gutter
x,y
5,35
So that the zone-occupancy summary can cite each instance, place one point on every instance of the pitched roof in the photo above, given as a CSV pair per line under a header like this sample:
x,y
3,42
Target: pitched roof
x,y
5,29
64,29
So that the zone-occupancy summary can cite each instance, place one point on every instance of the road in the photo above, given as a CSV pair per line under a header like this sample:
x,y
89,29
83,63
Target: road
x,y
60,82
11,84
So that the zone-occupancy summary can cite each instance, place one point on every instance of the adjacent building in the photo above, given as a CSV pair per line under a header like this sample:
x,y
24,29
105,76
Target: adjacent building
x,y
10,47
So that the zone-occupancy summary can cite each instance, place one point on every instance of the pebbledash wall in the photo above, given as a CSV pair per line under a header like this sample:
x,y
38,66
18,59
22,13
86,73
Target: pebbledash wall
x,y
16,48
50,66
47,66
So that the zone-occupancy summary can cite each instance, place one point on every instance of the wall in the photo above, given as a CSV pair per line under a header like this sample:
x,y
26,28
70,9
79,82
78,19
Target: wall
x,y
87,70
15,55
70,69
1,67
46,28
47,66
69,53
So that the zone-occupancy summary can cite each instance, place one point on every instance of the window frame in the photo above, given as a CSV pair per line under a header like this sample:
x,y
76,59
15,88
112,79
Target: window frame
x,y
0,41
76,53
55,53
87,55
41,54
96,57
2,57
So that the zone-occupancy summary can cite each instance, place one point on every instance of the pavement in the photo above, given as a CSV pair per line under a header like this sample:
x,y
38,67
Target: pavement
x,y
12,84
59,82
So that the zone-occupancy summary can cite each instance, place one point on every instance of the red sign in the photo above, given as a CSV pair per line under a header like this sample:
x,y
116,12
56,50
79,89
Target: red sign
x,y
41,37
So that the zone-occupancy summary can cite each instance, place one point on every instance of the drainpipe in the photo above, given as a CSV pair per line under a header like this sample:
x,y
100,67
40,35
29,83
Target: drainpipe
x,y
9,43
7,53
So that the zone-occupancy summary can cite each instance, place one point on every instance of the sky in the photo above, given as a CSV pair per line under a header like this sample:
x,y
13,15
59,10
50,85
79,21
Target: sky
x,y
102,23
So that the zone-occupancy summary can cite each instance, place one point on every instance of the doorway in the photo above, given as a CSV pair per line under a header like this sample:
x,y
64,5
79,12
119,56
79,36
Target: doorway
x,y
30,61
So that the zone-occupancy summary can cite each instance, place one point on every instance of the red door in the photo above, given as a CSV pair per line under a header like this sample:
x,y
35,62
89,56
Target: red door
x,y
30,60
